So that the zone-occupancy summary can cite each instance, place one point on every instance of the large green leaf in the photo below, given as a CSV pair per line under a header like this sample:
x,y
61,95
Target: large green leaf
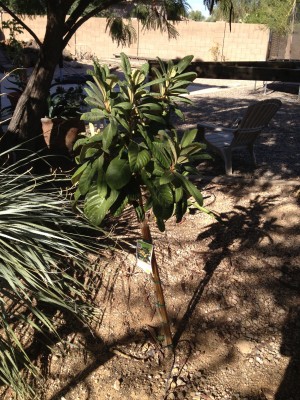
x,y
153,106
143,159
86,178
161,224
108,134
94,115
145,68
188,76
87,141
188,137
133,151
96,207
125,63
91,101
180,209
179,113
160,154
96,91
124,105
138,77
190,188
156,118
118,173
139,211
177,85
101,183
193,148
117,208
77,174
164,195
153,83
163,212
178,194
167,177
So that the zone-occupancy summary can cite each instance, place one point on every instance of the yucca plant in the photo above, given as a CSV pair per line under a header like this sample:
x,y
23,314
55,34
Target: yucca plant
x,y
44,249
138,159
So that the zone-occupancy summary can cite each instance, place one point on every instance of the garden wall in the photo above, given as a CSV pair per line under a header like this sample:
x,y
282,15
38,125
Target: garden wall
x,y
207,41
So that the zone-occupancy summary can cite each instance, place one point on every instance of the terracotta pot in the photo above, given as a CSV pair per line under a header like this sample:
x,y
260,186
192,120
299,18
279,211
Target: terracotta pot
x,y
60,134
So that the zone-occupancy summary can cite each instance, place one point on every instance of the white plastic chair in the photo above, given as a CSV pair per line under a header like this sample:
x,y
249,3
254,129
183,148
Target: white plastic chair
x,y
224,140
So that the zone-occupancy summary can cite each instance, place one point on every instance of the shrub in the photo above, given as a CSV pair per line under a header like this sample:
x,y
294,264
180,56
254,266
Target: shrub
x,y
138,159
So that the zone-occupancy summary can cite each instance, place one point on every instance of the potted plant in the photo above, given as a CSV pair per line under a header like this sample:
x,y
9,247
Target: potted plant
x,y
138,159
63,124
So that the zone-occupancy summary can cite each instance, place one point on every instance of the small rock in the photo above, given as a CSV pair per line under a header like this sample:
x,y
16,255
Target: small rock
x,y
117,384
244,346
173,385
268,393
180,382
171,396
259,360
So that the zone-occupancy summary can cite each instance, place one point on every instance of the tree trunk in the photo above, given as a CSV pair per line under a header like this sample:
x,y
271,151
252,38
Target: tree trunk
x,y
160,305
32,106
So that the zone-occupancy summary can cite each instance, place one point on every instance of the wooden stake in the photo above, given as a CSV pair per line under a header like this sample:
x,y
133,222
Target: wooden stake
x,y
160,305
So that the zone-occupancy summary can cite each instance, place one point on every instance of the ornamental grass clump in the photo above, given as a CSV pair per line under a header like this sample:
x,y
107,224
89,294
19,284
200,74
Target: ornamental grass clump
x,y
44,250
138,159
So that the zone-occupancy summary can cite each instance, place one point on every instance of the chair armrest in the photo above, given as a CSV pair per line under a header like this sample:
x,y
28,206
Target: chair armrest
x,y
202,126
206,125
215,127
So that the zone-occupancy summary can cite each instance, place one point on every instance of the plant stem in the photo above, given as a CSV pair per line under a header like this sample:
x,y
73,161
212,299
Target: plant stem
x,y
160,305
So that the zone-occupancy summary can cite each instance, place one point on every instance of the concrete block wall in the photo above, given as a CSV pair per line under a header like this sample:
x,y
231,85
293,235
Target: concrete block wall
x,y
207,41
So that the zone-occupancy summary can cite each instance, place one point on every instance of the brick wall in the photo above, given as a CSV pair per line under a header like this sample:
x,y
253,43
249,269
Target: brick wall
x,y
207,41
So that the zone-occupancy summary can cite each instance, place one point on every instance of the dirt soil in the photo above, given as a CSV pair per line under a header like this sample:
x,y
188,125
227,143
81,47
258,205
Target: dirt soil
x,y
232,289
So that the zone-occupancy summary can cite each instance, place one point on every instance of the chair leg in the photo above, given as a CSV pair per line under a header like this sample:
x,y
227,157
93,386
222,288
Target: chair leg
x,y
251,151
201,132
227,155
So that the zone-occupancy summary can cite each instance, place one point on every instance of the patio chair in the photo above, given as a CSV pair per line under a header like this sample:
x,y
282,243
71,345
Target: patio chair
x,y
224,140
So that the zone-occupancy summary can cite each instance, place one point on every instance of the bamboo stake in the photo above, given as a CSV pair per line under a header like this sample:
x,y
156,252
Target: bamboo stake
x,y
160,305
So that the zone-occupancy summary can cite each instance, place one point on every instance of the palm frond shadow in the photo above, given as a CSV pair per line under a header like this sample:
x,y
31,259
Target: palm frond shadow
x,y
243,225
101,355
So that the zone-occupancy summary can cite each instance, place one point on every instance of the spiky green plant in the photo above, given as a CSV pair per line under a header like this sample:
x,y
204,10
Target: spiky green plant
x,y
44,250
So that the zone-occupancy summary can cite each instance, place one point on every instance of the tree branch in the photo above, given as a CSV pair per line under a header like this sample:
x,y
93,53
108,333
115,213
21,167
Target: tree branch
x,y
26,27
82,5
105,4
